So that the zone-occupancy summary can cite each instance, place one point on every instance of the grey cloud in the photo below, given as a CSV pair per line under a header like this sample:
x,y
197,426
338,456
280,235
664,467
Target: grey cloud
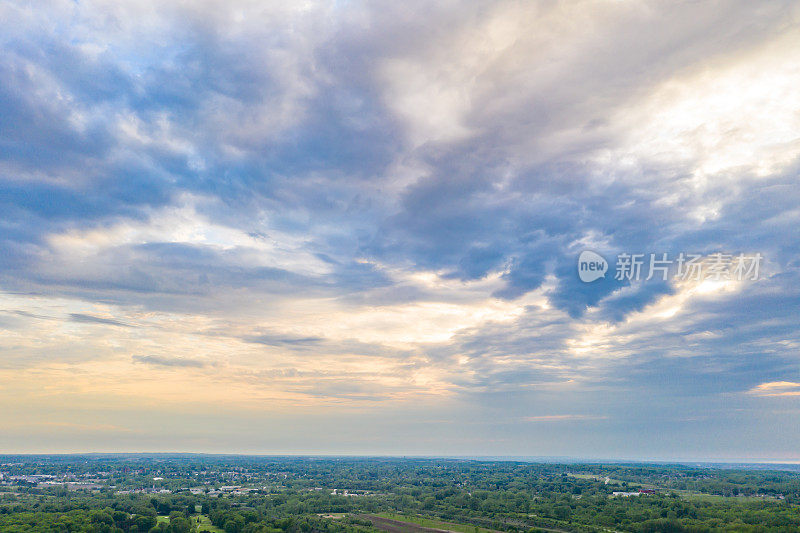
x,y
178,362
288,126
91,319
282,340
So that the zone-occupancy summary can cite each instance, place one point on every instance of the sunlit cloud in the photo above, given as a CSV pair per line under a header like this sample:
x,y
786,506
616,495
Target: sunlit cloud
x,y
261,217
777,388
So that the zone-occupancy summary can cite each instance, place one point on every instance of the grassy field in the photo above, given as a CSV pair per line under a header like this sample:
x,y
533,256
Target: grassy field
x,y
593,477
585,476
436,524
205,524
716,498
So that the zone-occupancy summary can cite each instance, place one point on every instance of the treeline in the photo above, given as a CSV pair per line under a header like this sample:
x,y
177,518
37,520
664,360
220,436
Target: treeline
x,y
584,505
78,520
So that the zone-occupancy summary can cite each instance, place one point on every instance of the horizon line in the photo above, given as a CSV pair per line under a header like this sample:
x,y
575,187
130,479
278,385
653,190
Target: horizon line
x,y
496,458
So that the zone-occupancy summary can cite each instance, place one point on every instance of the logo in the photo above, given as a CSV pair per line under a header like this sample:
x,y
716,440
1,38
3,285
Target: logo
x,y
591,266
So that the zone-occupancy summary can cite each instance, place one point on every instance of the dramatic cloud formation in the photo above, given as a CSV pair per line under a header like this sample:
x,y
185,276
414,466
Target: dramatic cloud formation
x,y
354,227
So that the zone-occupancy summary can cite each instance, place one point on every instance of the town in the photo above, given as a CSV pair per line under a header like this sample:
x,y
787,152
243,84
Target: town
x,y
247,494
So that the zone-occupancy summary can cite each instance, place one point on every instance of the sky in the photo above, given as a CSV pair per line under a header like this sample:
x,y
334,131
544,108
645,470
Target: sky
x,y
354,227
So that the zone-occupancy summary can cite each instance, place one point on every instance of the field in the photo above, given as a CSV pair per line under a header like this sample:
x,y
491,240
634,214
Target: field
x,y
206,525
396,523
714,498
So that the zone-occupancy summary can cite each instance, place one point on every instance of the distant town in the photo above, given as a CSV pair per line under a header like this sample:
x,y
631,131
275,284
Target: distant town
x,y
241,494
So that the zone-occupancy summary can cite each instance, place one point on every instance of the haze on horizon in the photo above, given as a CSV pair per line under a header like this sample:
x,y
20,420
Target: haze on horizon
x,y
352,227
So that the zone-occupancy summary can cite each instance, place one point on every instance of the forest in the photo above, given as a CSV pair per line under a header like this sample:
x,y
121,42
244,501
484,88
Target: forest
x,y
240,494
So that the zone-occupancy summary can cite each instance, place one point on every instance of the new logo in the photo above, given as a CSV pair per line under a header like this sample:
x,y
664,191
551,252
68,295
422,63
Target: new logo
x,y
591,266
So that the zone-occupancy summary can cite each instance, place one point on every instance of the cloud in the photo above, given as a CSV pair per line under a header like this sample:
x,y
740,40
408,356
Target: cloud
x,y
90,319
777,388
392,198
156,360
281,340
